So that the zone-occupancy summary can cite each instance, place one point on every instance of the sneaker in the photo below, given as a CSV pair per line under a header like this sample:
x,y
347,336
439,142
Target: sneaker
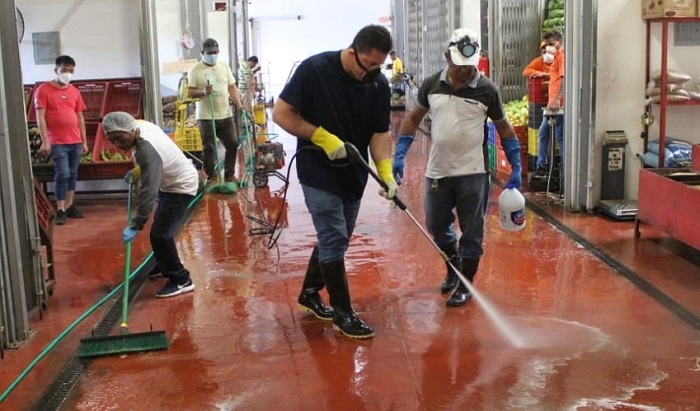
x,y
541,172
234,180
60,217
212,180
73,212
172,289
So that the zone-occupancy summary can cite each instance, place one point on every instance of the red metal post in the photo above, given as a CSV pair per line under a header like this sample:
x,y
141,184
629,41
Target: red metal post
x,y
662,103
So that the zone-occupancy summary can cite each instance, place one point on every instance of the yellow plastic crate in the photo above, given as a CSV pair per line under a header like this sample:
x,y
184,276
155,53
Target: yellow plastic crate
x,y
191,140
532,141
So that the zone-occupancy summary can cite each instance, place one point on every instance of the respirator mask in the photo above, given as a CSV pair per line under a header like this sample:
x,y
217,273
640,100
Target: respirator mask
x,y
371,74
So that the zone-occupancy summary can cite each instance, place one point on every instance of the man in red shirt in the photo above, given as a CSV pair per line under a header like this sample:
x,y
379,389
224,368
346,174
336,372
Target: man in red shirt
x,y
59,111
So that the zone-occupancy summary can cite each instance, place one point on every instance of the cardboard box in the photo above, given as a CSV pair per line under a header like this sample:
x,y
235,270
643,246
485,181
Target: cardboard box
x,y
652,9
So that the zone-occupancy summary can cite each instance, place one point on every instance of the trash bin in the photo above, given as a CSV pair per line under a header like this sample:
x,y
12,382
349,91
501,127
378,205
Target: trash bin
x,y
612,186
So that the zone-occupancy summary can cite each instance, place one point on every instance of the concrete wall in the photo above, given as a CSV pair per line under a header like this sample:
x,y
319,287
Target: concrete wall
x,y
101,35
281,38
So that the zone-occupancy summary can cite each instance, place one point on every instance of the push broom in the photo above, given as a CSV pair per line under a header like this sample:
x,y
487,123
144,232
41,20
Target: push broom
x,y
124,342
221,186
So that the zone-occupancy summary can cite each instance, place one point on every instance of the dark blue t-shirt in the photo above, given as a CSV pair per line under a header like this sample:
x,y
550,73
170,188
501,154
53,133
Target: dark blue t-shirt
x,y
325,95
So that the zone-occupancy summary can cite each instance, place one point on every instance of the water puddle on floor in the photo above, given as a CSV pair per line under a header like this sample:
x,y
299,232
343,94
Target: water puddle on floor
x,y
571,366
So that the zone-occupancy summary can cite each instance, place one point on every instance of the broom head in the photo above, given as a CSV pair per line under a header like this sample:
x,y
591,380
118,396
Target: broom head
x,y
123,343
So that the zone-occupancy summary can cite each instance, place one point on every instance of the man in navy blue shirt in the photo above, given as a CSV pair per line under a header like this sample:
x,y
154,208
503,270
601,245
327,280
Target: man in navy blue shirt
x,y
333,98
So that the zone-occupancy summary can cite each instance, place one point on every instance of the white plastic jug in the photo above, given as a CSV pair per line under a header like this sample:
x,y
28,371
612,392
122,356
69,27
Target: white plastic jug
x,y
511,209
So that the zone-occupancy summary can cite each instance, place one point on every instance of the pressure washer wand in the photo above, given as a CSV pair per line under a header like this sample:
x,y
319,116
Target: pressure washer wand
x,y
355,156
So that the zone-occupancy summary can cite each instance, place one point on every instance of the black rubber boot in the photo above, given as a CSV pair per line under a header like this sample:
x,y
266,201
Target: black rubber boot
x,y
461,295
344,318
451,280
309,298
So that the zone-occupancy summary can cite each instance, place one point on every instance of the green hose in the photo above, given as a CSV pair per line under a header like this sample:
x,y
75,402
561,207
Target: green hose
x,y
50,346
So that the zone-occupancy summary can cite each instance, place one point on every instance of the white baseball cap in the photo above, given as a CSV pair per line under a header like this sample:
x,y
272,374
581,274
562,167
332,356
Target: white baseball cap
x,y
464,47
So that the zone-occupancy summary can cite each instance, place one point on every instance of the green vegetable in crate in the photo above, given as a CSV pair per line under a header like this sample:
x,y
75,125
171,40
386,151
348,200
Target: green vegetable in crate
x,y
555,14
517,111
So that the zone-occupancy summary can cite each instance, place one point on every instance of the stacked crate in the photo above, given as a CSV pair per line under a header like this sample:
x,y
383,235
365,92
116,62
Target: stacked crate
x,y
502,165
492,146
100,97
538,94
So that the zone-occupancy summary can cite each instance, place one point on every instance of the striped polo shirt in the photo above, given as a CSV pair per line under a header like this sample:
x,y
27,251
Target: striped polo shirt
x,y
459,133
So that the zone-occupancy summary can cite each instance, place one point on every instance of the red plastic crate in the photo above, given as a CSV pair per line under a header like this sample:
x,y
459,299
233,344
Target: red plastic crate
x,y
28,91
44,210
31,108
538,90
124,96
94,93
502,164
102,144
91,128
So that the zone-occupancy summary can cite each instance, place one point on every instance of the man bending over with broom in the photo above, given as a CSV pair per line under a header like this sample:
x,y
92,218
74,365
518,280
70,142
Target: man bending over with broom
x,y
166,173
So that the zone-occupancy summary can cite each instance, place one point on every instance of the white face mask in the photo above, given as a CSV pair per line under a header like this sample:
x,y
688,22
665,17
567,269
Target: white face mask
x,y
209,59
64,78
551,49
548,57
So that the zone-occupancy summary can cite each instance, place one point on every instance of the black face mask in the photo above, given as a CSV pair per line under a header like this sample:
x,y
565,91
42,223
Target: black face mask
x,y
370,75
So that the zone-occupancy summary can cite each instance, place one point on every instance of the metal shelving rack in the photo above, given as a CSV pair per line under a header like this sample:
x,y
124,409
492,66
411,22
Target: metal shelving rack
x,y
663,103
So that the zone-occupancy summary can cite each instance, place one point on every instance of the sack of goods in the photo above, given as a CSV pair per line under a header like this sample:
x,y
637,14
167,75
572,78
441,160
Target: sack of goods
x,y
676,89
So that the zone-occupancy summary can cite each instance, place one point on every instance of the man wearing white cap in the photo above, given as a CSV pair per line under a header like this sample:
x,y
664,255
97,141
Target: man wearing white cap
x,y
457,181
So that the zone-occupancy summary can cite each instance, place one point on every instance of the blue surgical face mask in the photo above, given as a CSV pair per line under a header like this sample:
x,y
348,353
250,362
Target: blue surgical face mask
x,y
209,59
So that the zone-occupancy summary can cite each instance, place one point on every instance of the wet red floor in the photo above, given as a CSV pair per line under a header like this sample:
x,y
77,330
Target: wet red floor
x,y
592,339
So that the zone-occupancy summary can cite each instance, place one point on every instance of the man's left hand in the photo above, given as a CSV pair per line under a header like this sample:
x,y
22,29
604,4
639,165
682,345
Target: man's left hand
x,y
384,169
511,147
516,179
128,234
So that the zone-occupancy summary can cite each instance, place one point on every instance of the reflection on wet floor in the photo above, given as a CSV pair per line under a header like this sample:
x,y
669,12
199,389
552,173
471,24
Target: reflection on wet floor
x,y
592,340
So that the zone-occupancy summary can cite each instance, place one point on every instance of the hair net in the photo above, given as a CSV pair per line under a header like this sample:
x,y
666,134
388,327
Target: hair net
x,y
118,121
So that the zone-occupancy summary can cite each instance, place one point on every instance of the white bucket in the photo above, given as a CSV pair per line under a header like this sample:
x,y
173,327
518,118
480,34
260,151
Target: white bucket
x,y
511,209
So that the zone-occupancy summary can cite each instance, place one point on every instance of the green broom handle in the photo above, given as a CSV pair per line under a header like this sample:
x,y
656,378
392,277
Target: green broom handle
x,y
127,266
213,126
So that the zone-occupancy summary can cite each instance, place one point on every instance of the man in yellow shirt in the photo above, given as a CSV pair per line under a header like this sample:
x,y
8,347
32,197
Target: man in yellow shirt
x,y
396,80
212,82
397,64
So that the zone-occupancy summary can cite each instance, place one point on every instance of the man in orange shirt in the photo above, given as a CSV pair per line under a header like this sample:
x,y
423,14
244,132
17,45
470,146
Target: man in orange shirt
x,y
553,41
540,65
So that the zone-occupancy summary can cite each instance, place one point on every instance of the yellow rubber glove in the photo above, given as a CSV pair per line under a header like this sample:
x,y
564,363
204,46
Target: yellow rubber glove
x,y
330,143
387,176
133,176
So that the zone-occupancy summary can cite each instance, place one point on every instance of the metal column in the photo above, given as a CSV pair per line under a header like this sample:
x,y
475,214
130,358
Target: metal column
x,y
233,35
579,81
150,65
21,284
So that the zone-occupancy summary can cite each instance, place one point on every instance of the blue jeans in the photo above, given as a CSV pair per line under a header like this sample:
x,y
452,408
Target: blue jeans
x,y
334,220
543,136
468,196
66,159
168,218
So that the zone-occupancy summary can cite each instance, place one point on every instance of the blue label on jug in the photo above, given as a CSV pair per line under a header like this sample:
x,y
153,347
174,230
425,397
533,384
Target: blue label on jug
x,y
518,217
